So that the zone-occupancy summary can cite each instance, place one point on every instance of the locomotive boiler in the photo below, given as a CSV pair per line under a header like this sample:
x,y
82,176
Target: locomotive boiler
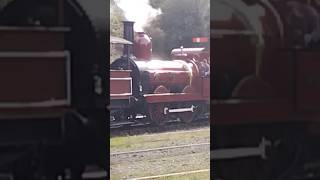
x,y
161,89
52,97
264,88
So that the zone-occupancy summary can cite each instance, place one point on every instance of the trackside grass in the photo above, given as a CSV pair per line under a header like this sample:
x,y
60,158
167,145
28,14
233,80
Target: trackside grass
x,y
180,160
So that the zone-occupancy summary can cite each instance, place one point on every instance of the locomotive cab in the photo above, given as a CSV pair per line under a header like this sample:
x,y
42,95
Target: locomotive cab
x,y
121,84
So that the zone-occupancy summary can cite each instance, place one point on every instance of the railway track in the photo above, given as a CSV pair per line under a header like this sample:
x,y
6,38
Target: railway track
x,y
129,128
158,153
170,175
159,149
205,170
169,152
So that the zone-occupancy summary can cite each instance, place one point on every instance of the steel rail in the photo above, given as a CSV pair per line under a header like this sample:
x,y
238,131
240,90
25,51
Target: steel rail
x,y
171,174
159,149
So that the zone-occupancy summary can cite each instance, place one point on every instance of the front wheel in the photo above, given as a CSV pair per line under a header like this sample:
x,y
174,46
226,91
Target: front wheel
x,y
156,113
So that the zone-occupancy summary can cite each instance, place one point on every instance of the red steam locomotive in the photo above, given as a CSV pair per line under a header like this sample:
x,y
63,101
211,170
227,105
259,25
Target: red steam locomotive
x,y
158,89
265,88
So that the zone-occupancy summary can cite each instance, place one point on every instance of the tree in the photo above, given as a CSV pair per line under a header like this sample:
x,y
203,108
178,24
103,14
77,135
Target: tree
x,y
116,18
116,29
179,22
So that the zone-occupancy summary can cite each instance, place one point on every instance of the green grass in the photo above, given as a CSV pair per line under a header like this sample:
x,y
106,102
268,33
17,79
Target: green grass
x,y
158,166
150,166
157,140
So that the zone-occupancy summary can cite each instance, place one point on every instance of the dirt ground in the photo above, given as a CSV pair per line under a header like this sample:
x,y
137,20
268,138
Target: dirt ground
x,y
161,162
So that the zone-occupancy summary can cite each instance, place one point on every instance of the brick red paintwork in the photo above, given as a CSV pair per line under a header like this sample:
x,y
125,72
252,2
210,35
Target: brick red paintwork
x,y
174,97
120,73
169,78
29,75
308,81
291,73
120,84
168,73
48,73
32,38
241,111
200,92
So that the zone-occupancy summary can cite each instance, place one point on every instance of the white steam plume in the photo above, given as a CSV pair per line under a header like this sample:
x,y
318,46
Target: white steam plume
x,y
139,11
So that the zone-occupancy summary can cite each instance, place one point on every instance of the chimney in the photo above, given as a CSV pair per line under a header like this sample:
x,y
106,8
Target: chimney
x,y
128,35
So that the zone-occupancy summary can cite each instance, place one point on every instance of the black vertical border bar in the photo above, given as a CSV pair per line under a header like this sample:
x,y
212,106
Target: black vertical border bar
x,y
107,86
211,88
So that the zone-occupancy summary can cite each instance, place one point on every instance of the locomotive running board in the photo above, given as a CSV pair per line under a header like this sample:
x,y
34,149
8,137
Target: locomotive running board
x,y
166,110
233,153
174,97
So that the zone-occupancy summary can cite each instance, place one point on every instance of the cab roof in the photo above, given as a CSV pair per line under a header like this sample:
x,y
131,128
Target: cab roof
x,y
117,40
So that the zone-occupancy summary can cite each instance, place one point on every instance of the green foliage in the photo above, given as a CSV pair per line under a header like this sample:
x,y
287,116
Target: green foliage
x,y
116,28
116,18
179,22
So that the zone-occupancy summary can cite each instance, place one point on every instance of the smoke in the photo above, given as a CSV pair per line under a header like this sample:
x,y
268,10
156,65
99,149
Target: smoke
x,y
139,11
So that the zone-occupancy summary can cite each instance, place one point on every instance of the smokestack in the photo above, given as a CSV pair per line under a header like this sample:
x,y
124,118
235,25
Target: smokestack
x,y
128,35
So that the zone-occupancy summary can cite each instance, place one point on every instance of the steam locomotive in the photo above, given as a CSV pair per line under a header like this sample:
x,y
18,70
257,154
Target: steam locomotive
x,y
160,90
265,88
52,96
